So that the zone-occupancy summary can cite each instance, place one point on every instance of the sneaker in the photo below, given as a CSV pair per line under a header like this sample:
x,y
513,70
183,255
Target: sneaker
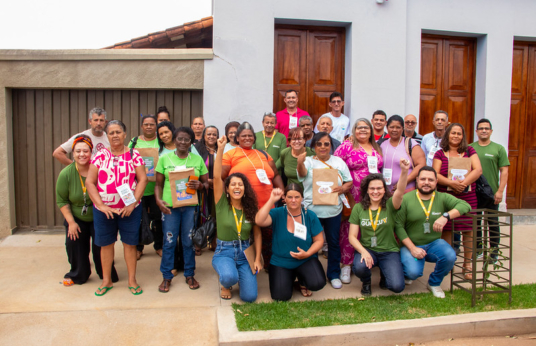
x,y
366,290
346,274
480,255
408,281
494,255
336,283
436,291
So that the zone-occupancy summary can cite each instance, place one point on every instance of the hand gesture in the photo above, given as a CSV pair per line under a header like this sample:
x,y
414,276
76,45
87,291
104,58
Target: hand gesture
x,y
404,164
365,256
163,207
301,157
457,186
73,231
277,193
222,141
299,255
439,224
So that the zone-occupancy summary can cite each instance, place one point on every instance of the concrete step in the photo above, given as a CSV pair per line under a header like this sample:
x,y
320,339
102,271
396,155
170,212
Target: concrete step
x,y
523,216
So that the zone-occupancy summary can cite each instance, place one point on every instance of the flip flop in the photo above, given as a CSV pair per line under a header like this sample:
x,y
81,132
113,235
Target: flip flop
x,y
105,289
135,290
225,295
68,282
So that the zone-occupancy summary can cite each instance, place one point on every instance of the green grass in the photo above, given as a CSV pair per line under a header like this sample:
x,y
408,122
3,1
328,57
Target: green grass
x,y
286,315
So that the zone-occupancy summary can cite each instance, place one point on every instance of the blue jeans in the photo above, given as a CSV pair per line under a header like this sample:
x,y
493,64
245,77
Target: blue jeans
x,y
390,267
180,221
331,227
438,252
232,266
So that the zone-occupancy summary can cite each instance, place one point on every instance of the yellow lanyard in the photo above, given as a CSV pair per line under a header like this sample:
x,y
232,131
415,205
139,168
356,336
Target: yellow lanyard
x,y
374,224
81,183
264,135
426,212
238,225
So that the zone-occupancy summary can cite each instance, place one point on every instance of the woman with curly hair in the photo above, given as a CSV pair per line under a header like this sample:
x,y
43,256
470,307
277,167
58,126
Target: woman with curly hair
x,y
374,216
236,207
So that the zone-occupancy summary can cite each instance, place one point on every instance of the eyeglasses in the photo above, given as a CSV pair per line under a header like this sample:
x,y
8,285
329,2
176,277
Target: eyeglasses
x,y
325,144
363,128
484,129
297,139
183,140
336,101
410,123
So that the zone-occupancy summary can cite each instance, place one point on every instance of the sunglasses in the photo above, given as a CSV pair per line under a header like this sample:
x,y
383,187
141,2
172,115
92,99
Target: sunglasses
x,y
325,144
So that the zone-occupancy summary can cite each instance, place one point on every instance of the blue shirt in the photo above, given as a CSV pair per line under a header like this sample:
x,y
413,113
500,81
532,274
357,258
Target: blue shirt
x,y
283,242
430,144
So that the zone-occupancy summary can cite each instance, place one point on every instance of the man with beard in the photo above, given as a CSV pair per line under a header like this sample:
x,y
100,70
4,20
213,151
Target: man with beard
x,y
430,142
97,122
420,221
269,139
288,118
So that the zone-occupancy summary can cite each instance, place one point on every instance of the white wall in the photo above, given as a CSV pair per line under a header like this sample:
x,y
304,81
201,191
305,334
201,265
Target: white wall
x,y
382,52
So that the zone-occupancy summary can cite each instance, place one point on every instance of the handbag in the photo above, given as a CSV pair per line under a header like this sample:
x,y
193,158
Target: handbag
x,y
204,234
484,192
146,227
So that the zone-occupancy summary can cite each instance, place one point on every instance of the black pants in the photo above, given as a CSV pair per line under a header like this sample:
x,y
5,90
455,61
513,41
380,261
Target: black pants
x,y
310,274
78,253
149,203
493,225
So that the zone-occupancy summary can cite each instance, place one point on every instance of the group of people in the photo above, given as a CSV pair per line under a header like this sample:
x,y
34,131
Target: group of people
x,y
361,195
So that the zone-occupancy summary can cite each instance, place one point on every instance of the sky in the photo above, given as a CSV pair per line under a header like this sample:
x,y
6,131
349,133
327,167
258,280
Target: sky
x,y
68,24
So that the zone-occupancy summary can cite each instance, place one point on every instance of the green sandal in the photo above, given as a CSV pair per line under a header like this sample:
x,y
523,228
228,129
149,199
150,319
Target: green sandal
x,y
105,289
135,291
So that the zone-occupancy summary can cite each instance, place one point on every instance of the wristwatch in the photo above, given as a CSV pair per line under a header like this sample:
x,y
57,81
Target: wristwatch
x,y
446,215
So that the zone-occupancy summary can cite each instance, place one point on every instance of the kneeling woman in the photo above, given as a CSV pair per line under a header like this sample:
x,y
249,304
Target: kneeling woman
x,y
236,206
375,217
297,238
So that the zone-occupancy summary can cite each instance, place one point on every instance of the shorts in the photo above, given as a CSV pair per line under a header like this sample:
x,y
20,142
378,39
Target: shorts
x,y
106,229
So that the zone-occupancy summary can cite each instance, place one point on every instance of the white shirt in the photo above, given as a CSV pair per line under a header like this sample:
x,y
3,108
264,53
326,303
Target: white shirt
x,y
341,126
98,142
430,144
323,211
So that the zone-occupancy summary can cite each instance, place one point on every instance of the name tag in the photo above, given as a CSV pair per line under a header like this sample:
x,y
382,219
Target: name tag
x,y
373,241
388,175
293,122
126,194
263,177
372,162
300,231
426,227
180,168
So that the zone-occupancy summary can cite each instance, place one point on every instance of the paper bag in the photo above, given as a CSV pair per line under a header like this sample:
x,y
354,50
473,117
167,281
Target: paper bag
x,y
150,157
324,181
250,254
178,181
459,168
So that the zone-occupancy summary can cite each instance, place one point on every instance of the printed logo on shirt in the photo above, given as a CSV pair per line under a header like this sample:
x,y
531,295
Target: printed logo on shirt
x,y
436,213
366,222
246,221
486,154
276,146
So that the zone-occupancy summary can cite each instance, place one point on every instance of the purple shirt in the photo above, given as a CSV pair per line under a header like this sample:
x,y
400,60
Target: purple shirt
x,y
392,156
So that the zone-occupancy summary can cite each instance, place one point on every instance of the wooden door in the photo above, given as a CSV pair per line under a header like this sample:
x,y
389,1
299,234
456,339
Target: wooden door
x,y
44,119
522,141
447,81
309,60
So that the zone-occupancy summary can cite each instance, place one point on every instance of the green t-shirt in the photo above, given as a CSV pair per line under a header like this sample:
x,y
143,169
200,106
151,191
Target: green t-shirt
x,y
69,191
225,220
279,142
289,164
492,157
149,189
168,162
411,217
385,234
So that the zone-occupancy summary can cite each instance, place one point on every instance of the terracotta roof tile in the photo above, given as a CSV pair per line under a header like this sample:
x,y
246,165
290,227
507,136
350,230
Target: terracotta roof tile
x,y
196,34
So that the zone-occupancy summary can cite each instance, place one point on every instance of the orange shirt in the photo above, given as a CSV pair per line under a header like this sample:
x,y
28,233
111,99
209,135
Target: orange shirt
x,y
237,158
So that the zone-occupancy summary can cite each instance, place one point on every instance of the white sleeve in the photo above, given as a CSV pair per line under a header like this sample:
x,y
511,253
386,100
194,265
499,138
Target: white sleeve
x,y
68,146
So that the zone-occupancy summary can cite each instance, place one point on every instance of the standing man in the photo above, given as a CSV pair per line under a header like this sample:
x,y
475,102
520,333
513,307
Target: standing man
x,y
324,124
288,117
379,118
430,142
198,125
410,123
97,122
494,160
340,122
306,123
421,218
269,139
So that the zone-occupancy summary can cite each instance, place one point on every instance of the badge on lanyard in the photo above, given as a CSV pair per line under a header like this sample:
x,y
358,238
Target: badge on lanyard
x,y
388,175
426,226
372,162
180,168
300,231
373,241
374,224
263,177
293,121
126,194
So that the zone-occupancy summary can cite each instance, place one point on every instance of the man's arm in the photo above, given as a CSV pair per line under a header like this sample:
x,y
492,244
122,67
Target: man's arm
x,y
61,155
503,179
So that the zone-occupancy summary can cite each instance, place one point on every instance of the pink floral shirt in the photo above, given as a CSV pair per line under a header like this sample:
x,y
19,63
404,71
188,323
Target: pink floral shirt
x,y
356,160
113,172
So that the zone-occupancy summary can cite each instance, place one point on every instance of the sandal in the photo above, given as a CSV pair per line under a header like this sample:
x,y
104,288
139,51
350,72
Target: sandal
x,y
226,293
303,290
164,286
103,290
138,255
192,283
68,282
136,293
198,252
467,272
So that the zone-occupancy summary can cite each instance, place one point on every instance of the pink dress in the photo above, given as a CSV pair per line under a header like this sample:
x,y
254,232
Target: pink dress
x,y
356,160
113,172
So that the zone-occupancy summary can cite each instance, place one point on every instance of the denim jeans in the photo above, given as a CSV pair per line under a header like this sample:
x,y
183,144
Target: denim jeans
x,y
390,267
494,233
232,266
438,252
181,221
331,227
